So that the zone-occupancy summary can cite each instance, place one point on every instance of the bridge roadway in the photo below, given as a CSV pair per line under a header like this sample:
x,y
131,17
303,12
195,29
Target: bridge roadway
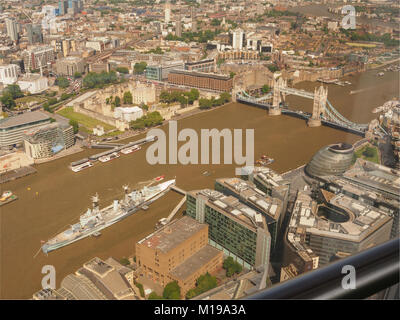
x,y
300,115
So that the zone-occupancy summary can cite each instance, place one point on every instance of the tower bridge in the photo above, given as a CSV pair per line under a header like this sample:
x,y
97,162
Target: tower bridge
x,y
323,111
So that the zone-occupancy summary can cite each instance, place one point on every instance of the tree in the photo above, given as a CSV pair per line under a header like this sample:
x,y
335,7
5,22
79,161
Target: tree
x,y
205,103
8,101
116,103
231,267
123,70
265,89
74,125
273,68
139,67
215,22
225,97
140,287
127,98
172,291
368,152
204,283
15,91
154,296
62,82
125,262
77,75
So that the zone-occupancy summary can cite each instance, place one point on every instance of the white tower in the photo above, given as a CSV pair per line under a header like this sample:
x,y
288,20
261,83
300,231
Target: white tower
x,y
167,12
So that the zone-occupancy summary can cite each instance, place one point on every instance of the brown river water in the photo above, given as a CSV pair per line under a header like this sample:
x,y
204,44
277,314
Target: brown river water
x,y
55,196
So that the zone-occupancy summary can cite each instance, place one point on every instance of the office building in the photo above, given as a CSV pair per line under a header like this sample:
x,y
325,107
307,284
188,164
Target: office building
x,y
96,280
167,12
235,228
46,141
193,19
178,27
34,33
373,184
160,72
62,7
200,80
12,29
238,39
338,224
178,252
33,83
69,66
334,159
208,65
248,194
38,57
9,74
272,183
12,129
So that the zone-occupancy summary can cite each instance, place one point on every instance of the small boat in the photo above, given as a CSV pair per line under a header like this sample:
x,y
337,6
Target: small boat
x,y
109,157
160,178
380,74
82,166
130,149
96,234
6,195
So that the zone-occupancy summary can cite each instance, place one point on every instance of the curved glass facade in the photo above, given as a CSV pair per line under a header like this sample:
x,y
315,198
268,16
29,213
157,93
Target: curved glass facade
x,y
334,159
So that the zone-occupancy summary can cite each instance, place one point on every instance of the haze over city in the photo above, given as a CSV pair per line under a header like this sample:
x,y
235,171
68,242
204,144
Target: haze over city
x,y
195,150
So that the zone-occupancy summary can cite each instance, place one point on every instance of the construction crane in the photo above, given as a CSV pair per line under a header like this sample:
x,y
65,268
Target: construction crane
x,y
23,11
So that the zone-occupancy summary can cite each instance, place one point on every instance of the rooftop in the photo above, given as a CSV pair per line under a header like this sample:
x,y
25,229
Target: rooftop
x,y
353,222
375,176
23,119
202,74
173,234
195,262
253,196
232,208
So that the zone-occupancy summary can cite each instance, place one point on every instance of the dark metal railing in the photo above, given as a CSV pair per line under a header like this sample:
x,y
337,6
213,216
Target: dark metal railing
x,y
376,269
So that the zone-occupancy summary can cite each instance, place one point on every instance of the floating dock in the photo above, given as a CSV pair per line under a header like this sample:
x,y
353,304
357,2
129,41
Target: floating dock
x,y
119,147
16,174
10,199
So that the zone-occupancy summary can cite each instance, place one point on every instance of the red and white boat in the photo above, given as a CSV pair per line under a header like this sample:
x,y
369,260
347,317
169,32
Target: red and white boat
x,y
160,178
130,149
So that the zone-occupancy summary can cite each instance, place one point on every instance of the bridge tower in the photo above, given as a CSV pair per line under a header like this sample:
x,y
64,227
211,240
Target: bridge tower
x,y
278,97
320,97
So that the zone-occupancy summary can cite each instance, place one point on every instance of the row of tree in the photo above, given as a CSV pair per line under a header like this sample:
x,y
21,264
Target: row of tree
x,y
204,103
150,120
99,80
187,97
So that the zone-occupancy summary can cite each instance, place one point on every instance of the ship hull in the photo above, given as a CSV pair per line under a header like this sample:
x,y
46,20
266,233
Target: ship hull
x,y
46,248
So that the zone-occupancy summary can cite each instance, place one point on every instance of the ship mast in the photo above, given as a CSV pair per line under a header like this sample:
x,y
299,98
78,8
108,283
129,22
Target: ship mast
x,y
95,200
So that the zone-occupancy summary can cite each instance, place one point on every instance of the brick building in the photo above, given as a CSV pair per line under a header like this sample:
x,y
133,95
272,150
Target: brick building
x,y
201,80
178,252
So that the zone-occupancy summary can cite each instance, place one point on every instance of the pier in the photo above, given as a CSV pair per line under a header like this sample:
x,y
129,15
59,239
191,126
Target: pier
x,y
164,221
178,190
16,174
113,147
176,209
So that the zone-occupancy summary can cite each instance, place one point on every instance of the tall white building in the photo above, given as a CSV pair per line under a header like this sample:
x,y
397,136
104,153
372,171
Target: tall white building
x,y
238,39
12,29
167,12
9,74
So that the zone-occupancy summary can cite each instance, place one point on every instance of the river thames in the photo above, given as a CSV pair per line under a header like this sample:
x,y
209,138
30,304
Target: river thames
x,y
55,197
